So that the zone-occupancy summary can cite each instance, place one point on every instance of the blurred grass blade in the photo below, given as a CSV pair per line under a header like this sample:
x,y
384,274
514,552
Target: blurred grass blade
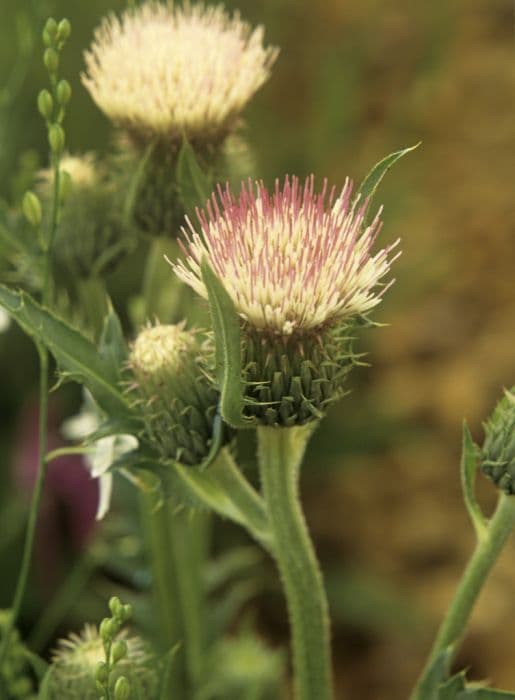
x,y
75,355
112,346
468,469
369,186
226,329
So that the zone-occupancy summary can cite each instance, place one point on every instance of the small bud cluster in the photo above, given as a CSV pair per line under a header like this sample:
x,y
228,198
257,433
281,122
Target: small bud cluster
x,y
104,663
498,451
115,650
52,107
176,399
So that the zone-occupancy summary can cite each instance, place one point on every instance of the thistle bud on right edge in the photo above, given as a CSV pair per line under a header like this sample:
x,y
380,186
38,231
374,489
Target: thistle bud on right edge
x,y
173,393
498,451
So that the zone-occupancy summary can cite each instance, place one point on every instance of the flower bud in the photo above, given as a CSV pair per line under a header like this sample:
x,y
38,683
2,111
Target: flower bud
x,y
45,104
50,31
31,207
498,451
102,673
51,60
63,92
115,606
177,401
64,29
56,138
107,630
119,650
122,689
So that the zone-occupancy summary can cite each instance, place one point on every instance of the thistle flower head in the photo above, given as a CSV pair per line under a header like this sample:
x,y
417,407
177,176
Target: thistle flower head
x,y
177,400
76,659
165,71
293,260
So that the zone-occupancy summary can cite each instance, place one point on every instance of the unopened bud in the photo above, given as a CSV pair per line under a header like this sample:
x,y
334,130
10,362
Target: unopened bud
x,y
115,606
119,650
122,689
498,451
102,673
51,60
127,612
179,402
63,92
45,104
56,138
31,207
64,29
50,31
107,630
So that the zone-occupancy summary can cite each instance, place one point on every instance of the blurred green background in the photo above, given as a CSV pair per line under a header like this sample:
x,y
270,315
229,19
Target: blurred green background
x,y
353,82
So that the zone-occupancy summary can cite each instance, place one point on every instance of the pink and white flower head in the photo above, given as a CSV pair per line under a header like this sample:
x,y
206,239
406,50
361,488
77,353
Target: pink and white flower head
x,y
165,71
293,260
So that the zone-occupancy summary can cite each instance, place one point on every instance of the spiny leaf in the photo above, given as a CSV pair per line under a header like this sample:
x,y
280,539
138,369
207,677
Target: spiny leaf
x,y
369,186
450,689
468,468
74,353
194,185
226,328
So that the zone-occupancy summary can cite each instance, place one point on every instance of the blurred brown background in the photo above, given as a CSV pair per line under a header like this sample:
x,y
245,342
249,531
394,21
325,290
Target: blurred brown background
x,y
355,80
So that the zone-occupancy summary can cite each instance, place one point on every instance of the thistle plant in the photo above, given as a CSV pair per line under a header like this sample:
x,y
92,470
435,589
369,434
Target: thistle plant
x,y
296,269
169,76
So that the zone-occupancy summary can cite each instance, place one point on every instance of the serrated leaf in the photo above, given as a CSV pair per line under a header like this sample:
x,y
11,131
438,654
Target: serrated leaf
x,y
436,676
74,353
194,185
227,334
468,469
369,186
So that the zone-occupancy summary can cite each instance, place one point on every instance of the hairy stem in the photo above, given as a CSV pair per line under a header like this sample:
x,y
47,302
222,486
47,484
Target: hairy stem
x,y
479,567
280,454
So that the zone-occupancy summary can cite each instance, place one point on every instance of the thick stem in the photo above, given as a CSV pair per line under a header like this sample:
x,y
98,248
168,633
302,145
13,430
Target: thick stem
x,y
480,564
177,547
280,454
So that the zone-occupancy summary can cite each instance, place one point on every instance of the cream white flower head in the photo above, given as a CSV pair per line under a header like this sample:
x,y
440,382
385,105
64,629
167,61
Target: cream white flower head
x,y
165,71
291,260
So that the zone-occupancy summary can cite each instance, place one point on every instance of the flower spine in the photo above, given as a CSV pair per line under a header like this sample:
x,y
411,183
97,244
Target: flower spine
x,y
161,71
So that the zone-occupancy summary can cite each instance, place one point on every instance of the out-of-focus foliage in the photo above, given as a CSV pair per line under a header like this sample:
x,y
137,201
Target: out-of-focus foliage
x,y
354,80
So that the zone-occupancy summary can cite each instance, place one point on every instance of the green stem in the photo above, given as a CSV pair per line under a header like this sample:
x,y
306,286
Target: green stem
x,y
480,564
23,575
280,454
177,547
37,493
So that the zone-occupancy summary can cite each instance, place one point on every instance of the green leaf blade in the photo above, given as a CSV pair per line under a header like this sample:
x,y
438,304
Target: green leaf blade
x,y
194,184
75,355
227,333
370,184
